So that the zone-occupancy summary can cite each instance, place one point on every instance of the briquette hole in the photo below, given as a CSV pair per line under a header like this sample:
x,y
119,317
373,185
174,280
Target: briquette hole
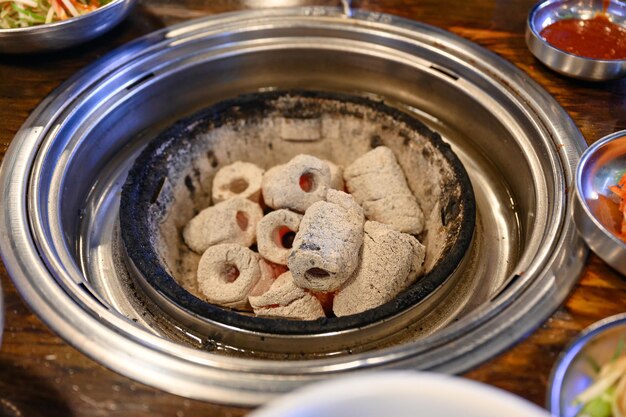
x,y
307,182
317,273
284,236
238,185
242,220
231,273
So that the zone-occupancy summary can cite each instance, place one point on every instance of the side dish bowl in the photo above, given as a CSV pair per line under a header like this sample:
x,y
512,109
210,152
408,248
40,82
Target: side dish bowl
x,y
573,370
601,166
546,12
66,33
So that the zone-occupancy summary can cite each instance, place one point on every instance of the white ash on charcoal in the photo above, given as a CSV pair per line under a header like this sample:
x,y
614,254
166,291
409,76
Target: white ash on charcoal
x,y
377,182
390,262
286,299
275,234
326,248
231,221
226,274
239,179
297,184
329,253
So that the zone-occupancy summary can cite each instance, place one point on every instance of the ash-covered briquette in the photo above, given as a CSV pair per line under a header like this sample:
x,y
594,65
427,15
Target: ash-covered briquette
x,y
377,183
286,299
226,274
323,247
275,233
239,179
390,261
231,221
326,248
297,184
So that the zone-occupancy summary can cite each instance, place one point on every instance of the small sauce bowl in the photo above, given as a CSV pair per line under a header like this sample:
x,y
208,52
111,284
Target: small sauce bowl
x,y
601,166
546,12
573,372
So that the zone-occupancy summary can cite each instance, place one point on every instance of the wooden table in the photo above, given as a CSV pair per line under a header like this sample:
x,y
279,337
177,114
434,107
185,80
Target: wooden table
x,y
41,375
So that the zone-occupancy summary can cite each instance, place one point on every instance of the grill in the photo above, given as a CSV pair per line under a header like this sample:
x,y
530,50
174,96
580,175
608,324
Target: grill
x,y
64,173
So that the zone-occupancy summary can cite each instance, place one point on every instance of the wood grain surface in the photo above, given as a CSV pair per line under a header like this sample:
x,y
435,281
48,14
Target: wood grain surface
x,y
41,375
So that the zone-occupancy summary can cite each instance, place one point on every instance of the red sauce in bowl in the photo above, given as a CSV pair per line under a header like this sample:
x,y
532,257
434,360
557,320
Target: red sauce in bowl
x,y
597,38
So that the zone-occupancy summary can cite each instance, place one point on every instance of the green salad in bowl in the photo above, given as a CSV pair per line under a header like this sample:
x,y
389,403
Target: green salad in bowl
x,y
25,13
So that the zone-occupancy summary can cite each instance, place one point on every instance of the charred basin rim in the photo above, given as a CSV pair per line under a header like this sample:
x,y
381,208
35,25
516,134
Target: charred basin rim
x,y
145,181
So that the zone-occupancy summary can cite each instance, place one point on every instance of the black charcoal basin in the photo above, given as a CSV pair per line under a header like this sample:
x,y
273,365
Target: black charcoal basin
x,y
168,185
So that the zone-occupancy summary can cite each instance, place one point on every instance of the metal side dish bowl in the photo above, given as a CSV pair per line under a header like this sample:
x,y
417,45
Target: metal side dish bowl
x,y
63,34
547,12
574,370
601,166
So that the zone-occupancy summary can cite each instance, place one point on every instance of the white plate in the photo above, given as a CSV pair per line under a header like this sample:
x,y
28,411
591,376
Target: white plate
x,y
400,394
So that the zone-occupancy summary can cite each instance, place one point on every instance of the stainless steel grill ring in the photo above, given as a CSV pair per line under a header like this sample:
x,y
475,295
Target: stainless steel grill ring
x,y
62,175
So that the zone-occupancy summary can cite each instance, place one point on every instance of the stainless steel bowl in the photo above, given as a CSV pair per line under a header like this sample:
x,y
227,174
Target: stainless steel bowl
x,y
70,32
601,166
547,12
572,372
